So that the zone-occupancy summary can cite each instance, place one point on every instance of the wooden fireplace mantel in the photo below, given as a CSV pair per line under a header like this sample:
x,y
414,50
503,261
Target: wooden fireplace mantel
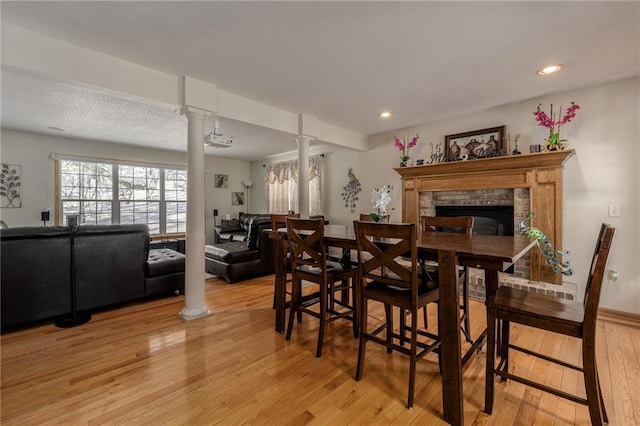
x,y
541,173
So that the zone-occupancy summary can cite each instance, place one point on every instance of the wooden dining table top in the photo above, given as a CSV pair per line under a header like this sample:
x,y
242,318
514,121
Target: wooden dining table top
x,y
472,250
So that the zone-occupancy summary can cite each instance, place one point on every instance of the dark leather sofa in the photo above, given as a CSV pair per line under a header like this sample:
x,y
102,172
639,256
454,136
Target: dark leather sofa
x,y
112,263
246,249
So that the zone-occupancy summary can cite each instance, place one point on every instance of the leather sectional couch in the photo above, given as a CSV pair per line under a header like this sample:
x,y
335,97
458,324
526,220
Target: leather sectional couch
x,y
245,251
112,263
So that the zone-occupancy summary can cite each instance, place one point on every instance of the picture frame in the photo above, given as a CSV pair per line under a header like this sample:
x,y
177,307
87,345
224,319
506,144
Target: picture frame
x,y
10,185
221,181
237,198
482,143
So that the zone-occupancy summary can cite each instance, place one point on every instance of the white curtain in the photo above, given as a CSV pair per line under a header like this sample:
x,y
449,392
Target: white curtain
x,y
281,186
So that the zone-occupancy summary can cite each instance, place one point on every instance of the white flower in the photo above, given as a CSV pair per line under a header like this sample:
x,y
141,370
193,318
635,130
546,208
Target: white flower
x,y
381,198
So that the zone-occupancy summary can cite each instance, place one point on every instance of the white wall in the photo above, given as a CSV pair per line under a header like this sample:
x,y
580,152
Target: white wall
x,y
33,151
605,170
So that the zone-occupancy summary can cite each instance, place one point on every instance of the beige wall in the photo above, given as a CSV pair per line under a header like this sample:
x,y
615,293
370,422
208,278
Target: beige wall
x,y
606,137
33,152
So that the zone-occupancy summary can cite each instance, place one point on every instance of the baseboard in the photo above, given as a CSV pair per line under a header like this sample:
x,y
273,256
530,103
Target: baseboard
x,y
619,317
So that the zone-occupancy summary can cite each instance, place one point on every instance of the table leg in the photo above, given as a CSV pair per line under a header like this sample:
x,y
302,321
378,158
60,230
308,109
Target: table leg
x,y
491,279
449,330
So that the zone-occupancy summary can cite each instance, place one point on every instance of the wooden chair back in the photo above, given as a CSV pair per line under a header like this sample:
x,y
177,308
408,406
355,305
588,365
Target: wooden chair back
x,y
381,247
457,224
306,243
280,220
596,276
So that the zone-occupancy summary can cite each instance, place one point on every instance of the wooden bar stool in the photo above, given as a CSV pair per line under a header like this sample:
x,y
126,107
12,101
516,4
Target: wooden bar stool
x,y
385,277
559,316
310,263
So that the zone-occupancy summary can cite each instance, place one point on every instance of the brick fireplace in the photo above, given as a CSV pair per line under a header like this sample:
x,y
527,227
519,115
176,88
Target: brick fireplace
x,y
517,198
531,182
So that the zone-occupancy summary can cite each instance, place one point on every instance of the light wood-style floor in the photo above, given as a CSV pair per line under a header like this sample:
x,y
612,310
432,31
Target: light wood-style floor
x,y
140,364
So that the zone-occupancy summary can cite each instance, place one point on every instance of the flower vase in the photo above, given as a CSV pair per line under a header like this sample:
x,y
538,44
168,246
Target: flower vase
x,y
553,147
404,163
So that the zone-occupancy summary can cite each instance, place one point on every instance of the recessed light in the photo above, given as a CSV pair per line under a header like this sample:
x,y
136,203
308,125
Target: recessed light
x,y
385,114
549,69
57,129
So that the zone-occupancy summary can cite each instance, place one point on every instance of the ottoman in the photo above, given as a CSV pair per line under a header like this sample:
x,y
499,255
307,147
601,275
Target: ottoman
x,y
232,261
164,272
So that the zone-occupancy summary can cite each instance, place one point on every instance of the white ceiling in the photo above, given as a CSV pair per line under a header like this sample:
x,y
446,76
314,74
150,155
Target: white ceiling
x,y
342,62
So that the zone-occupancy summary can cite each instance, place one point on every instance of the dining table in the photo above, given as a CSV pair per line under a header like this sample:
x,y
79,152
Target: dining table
x,y
491,253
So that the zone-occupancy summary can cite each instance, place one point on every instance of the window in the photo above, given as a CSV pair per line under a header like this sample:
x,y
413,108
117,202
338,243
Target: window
x,y
281,186
106,193
175,195
86,189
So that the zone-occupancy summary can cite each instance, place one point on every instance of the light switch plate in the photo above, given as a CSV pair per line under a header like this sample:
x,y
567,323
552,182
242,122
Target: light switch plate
x,y
614,210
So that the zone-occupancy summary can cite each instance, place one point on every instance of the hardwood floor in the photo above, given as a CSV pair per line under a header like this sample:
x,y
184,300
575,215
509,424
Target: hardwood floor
x,y
140,364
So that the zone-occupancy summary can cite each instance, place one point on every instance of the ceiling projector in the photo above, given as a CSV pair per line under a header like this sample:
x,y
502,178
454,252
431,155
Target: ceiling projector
x,y
218,141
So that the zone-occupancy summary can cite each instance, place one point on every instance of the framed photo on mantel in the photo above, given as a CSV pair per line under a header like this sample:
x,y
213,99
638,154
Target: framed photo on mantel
x,y
475,144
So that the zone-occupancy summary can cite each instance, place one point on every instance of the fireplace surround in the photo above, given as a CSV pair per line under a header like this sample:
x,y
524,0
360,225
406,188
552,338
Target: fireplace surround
x,y
530,182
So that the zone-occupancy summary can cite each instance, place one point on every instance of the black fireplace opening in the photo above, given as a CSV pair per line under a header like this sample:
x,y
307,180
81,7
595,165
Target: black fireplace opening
x,y
487,220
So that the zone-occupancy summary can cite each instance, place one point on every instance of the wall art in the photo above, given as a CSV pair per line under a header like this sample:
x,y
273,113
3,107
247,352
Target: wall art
x,y
11,185
237,198
476,144
221,181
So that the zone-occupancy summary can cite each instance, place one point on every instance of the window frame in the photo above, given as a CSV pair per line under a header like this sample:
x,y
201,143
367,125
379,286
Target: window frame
x,y
115,197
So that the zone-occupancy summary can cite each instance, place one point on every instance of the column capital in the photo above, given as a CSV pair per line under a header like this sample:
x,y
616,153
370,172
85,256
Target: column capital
x,y
305,139
195,112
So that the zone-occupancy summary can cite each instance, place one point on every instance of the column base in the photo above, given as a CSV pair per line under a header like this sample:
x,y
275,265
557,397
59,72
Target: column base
x,y
191,314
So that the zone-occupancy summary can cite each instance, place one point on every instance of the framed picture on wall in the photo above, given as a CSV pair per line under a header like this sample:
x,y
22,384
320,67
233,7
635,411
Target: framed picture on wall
x,y
237,198
475,144
221,181
11,185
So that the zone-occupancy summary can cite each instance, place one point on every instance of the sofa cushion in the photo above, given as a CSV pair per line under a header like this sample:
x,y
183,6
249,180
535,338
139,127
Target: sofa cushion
x,y
164,261
231,252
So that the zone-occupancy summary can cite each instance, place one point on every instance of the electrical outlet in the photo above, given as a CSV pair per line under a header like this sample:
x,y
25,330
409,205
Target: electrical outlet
x,y
614,210
613,276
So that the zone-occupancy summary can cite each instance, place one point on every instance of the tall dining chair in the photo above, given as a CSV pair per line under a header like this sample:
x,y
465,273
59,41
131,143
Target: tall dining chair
x,y
280,221
560,316
385,277
462,225
310,262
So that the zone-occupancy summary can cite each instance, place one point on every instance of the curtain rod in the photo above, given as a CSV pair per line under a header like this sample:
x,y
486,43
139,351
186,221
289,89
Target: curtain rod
x,y
319,155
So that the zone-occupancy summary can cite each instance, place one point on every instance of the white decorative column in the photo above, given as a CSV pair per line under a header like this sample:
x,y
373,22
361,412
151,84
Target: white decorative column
x,y
194,300
303,175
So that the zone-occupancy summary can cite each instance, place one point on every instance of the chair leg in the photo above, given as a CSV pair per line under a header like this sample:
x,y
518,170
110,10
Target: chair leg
x,y
505,347
591,383
425,315
296,289
363,340
490,362
388,311
403,327
356,310
324,301
412,360
466,327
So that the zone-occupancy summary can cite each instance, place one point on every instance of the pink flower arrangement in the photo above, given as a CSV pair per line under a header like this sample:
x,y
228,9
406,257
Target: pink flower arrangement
x,y
404,146
545,120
